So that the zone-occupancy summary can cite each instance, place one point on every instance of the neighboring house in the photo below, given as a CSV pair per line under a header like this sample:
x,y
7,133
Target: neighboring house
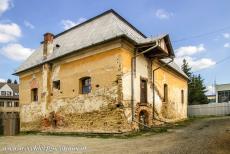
x,y
9,97
211,98
222,93
102,75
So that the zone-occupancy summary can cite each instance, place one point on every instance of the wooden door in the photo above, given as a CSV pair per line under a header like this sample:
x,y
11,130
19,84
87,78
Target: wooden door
x,y
143,89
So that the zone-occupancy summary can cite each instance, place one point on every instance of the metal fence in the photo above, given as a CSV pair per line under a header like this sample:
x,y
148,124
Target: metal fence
x,y
9,123
217,109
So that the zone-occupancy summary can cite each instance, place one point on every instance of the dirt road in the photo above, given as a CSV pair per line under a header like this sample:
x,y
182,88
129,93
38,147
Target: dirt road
x,y
206,136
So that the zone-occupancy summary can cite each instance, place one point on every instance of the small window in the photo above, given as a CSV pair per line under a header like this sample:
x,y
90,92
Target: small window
x,y
85,85
9,104
16,104
34,94
182,96
56,84
3,93
8,93
165,93
1,104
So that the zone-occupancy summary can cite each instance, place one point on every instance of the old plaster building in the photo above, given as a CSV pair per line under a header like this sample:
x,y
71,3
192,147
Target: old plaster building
x,y
102,75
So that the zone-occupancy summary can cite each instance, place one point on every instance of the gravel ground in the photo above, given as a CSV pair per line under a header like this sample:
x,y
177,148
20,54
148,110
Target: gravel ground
x,y
203,136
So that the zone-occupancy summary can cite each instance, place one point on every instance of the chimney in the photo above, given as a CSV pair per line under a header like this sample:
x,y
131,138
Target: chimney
x,y
47,45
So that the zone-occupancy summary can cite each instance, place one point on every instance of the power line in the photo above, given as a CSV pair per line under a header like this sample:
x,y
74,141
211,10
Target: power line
x,y
201,35
218,62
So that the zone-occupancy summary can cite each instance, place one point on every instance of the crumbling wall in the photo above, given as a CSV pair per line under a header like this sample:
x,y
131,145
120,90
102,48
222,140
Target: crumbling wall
x,y
102,110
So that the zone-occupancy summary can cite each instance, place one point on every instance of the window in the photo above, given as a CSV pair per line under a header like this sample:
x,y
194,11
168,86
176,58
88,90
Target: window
x,y
1,104
182,96
34,94
8,93
56,84
165,93
3,93
85,85
9,104
223,96
16,104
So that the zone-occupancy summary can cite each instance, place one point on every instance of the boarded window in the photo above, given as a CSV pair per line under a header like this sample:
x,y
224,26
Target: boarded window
x,y
165,93
85,85
143,88
182,96
34,94
56,84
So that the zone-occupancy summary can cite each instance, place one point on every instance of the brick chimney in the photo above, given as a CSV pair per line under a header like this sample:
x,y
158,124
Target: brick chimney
x,y
47,45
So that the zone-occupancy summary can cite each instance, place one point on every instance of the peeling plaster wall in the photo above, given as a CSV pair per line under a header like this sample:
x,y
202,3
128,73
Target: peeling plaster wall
x,y
102,110
108,107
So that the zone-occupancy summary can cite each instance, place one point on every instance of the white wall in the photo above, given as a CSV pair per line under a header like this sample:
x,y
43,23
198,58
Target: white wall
x,y
209,109
6,88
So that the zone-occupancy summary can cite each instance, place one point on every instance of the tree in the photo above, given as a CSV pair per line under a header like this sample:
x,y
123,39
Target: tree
x,y
9,81
15,82
196,87
185,67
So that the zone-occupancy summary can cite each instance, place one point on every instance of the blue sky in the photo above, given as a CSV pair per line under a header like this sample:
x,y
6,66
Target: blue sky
x,y
23,23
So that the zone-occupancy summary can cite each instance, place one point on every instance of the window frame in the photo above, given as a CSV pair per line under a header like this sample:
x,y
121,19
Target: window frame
x,y
85,89
57,84
34,98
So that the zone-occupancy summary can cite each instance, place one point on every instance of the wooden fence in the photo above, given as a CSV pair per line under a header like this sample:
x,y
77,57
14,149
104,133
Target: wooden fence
x,y
217,109
9,123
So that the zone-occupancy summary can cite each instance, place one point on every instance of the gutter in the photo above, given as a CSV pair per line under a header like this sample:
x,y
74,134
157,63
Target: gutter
x,y
133,66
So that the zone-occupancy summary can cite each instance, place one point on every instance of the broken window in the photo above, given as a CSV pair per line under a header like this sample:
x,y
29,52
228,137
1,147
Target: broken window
x,y
56,84
182,96
165,93
85,85
34,94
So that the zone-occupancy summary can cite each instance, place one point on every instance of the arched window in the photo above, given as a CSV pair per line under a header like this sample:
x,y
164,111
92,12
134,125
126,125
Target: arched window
x,y
85,85
165,93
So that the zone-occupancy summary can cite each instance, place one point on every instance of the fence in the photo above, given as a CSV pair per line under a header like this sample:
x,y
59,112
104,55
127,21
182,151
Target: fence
x,y
217,109
9,123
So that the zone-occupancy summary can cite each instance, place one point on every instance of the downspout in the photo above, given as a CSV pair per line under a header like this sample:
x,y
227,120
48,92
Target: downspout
x,y
153,78
133,61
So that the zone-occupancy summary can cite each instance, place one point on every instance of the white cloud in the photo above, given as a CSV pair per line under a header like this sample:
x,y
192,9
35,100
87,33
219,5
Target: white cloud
x,y
210,90
226,35
189,50
163,14
9,32
227,45
69,24
196,64
28,24
5,5
16,52
2,80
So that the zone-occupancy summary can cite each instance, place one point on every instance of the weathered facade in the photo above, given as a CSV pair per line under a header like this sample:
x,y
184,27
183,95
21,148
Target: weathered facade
x,y
100,76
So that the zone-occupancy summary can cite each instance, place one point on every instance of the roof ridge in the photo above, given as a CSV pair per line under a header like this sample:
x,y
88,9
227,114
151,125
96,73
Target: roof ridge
x,y
98,16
